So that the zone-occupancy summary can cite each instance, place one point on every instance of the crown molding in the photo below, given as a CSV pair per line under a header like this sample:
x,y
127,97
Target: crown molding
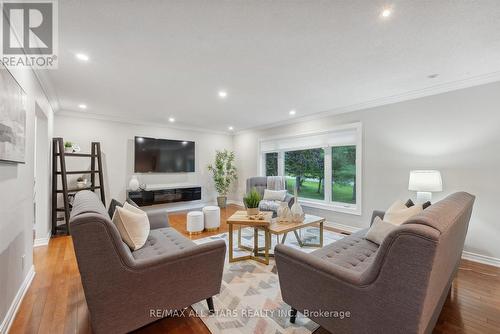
x,y
131,121
406,96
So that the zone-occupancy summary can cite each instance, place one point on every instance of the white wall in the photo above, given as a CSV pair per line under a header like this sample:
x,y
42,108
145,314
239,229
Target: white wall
x,y
117,145
457,133
16,204
42,178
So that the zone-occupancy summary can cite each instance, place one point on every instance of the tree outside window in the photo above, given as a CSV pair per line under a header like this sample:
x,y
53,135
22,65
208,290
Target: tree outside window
x,y
344,174
305,169
271,164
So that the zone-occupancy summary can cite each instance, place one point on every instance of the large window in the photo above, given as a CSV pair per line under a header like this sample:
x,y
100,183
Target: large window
x,y
324,168
305,170
344,174
271,160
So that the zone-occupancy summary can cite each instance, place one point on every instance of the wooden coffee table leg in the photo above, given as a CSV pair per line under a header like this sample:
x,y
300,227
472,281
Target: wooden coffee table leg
x,y
301,244
321,234
230,242
268,245
255,241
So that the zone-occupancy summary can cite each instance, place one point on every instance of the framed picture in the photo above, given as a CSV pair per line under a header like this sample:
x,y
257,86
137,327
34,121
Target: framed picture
x,y
12,118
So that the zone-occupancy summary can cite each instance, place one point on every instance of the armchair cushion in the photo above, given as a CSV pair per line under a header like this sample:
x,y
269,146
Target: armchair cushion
x,y
266,205
162,241
353,252
274,195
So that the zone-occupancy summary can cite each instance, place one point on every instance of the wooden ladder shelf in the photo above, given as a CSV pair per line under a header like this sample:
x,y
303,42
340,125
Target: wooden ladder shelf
x,y
59,159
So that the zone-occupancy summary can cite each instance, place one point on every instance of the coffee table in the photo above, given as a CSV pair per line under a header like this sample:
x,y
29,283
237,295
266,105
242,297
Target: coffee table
x,y
278,229
241,219
269,227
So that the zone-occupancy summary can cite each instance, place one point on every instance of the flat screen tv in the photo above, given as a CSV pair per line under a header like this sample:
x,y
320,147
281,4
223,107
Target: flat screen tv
x,y
163,156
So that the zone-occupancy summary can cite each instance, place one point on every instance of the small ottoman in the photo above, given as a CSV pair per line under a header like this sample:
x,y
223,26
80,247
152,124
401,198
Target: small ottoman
x,y
194,224
212,218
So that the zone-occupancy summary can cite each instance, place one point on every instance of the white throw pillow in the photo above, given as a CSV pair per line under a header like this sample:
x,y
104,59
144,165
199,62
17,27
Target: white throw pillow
x,y
379,230
133,225
398,213
274,195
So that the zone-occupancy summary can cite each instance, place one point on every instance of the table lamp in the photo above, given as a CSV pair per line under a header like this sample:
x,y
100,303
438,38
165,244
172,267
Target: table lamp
x,y
425,182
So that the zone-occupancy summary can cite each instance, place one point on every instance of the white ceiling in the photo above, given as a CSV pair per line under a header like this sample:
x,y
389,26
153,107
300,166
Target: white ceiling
x,y
150,60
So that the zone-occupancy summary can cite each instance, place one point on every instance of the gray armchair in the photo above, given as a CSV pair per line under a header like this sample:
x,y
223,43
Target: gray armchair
x,y
399,286
260,184
124,288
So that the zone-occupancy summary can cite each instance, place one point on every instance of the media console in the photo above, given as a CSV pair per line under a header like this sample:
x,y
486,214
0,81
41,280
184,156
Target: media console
x,y
168,194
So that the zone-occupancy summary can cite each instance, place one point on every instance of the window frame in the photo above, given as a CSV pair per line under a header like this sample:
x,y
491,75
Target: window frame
x,y
327,203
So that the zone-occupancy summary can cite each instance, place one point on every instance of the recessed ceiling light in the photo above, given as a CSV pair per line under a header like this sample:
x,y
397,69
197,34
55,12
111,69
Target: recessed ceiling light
x,y
171,119
82,57
386,12
82,106
230,128
222,94
292,112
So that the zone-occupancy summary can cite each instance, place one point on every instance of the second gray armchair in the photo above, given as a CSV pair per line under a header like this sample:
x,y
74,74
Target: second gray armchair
x,y
260,184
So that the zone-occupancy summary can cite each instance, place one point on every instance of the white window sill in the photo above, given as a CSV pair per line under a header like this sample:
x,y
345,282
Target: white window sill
x,y
353,210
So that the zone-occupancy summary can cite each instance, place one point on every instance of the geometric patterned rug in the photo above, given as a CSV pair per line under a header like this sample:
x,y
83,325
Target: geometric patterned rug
x,y
250,298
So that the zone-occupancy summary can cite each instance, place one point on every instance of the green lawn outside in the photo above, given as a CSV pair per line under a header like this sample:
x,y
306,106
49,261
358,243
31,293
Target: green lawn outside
x,y
309,189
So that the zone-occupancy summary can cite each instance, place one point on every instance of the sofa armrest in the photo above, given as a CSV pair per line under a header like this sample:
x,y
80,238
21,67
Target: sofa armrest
x,y
377,213
158,218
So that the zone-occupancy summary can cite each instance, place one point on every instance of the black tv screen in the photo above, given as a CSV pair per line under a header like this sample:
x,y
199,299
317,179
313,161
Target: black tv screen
x,y
163,156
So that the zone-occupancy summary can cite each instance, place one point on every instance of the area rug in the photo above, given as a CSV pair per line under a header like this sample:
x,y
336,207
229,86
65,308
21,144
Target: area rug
x,y
250,298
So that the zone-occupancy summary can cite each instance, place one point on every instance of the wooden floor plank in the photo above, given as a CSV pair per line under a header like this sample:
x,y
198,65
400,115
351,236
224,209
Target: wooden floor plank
x,y
55,302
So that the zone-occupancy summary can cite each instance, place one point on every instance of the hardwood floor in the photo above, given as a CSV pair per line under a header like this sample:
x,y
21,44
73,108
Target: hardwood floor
x,y
55,302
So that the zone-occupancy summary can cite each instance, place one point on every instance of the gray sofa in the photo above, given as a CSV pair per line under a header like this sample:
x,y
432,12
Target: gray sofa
x,y
124,288
397,287
260,183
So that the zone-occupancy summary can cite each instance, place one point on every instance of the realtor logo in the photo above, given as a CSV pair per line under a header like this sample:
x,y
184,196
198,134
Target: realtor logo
x,y
29,33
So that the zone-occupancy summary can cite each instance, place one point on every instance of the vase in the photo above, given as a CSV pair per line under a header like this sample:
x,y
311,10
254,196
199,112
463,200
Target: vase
x,y
81,184
133,183
297,214
68,149
222,201
283,212
252,211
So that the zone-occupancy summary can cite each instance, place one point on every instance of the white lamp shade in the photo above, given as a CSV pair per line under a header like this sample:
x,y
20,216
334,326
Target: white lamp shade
x,y
425,180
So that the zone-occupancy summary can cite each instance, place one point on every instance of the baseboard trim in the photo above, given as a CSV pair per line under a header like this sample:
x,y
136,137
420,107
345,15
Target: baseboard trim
x,y
42,241
484,259
346,228
12,311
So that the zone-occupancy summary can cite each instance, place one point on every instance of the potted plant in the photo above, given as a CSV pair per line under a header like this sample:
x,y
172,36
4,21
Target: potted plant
x,y
252,200
224,174
81,182
68,147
